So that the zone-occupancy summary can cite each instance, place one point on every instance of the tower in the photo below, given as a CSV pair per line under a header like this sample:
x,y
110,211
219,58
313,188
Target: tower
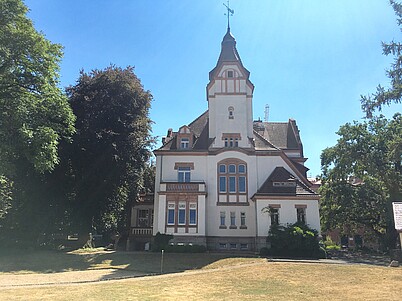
x,y
230,95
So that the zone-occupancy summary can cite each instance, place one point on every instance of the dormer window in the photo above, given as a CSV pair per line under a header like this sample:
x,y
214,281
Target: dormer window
x,y
185,138
230,74
184,143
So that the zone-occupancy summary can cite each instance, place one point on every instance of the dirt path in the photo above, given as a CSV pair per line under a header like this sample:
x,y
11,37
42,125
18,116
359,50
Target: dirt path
x,y
8,280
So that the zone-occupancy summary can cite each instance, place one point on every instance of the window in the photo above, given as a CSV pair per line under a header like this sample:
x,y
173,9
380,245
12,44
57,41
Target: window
x,y
171,208
223,218
184,174
193,214
222,246
233,246
184,143
232,184
232,219
232,168
142,220
243,246
231,139
182,213
231,112
274,214
222,184
242,184
301,215
243,220
232,177
230,73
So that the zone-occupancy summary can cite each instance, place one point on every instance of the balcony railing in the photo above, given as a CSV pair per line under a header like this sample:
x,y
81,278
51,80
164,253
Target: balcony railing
x,y
182,187
141,231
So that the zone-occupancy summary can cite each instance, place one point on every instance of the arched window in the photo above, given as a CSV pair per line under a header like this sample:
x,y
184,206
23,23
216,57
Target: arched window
x,y
232,179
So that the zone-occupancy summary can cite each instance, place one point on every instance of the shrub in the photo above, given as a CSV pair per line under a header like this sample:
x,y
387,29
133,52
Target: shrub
x,y
161,242
297,240
331,245
265,252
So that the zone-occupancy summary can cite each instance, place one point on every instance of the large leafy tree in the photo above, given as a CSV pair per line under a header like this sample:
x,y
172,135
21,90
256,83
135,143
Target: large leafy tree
x,y
393,94
34,113
362,175
34,117
107,158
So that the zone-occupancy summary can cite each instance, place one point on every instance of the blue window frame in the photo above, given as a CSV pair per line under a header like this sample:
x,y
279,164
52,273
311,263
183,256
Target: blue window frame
x,y
184,174
171,208
222,184
232,168
182,213
222,168
242,168
232,184
193,214
242,184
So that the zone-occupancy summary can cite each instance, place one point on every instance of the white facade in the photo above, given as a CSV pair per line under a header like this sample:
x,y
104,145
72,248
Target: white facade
x,y
216,177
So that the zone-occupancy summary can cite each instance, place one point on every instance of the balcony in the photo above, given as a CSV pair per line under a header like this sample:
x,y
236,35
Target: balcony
x,y
183,187
141,231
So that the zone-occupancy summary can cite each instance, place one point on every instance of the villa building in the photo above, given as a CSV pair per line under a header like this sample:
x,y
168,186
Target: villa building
x,y
224,179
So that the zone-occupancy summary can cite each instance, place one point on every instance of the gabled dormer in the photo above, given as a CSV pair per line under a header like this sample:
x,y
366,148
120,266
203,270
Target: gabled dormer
x,y
184,138
229,95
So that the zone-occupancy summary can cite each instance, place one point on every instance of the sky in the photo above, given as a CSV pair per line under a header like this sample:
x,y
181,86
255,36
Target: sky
x,y
309,60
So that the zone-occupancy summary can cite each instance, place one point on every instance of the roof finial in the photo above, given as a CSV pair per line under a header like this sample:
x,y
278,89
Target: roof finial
x,y
229,13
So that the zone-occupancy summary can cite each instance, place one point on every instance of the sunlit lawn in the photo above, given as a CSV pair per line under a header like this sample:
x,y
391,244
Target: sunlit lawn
x,y
228,279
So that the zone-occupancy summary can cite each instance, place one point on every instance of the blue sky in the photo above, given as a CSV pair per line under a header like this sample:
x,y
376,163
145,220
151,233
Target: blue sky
x,y
309,59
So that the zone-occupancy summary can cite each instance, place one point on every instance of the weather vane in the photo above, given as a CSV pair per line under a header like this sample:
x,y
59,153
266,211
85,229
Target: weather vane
x,y
229,13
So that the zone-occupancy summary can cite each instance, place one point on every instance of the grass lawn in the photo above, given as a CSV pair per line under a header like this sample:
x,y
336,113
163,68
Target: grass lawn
x,y
220,279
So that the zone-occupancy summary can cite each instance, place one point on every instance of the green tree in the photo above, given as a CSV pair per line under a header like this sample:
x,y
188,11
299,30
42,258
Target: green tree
x,y
386,96
107,158
362,175
35,117
34,113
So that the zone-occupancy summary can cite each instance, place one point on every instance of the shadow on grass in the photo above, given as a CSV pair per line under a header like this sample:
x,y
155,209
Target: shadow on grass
x,y
45,261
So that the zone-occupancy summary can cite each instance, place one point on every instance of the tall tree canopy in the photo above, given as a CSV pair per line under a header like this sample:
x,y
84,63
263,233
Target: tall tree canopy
x,y
362,175
34,113
110,149
393,94
34,117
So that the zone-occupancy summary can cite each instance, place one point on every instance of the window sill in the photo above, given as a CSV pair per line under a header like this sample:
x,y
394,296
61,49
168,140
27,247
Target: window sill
x,y
243,227
223,227
232,227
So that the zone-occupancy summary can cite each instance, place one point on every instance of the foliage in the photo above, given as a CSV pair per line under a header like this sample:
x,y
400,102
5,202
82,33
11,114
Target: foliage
x,y
393,94
297,240
362,175
35,115
105,163
331,245
161,242
5,195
